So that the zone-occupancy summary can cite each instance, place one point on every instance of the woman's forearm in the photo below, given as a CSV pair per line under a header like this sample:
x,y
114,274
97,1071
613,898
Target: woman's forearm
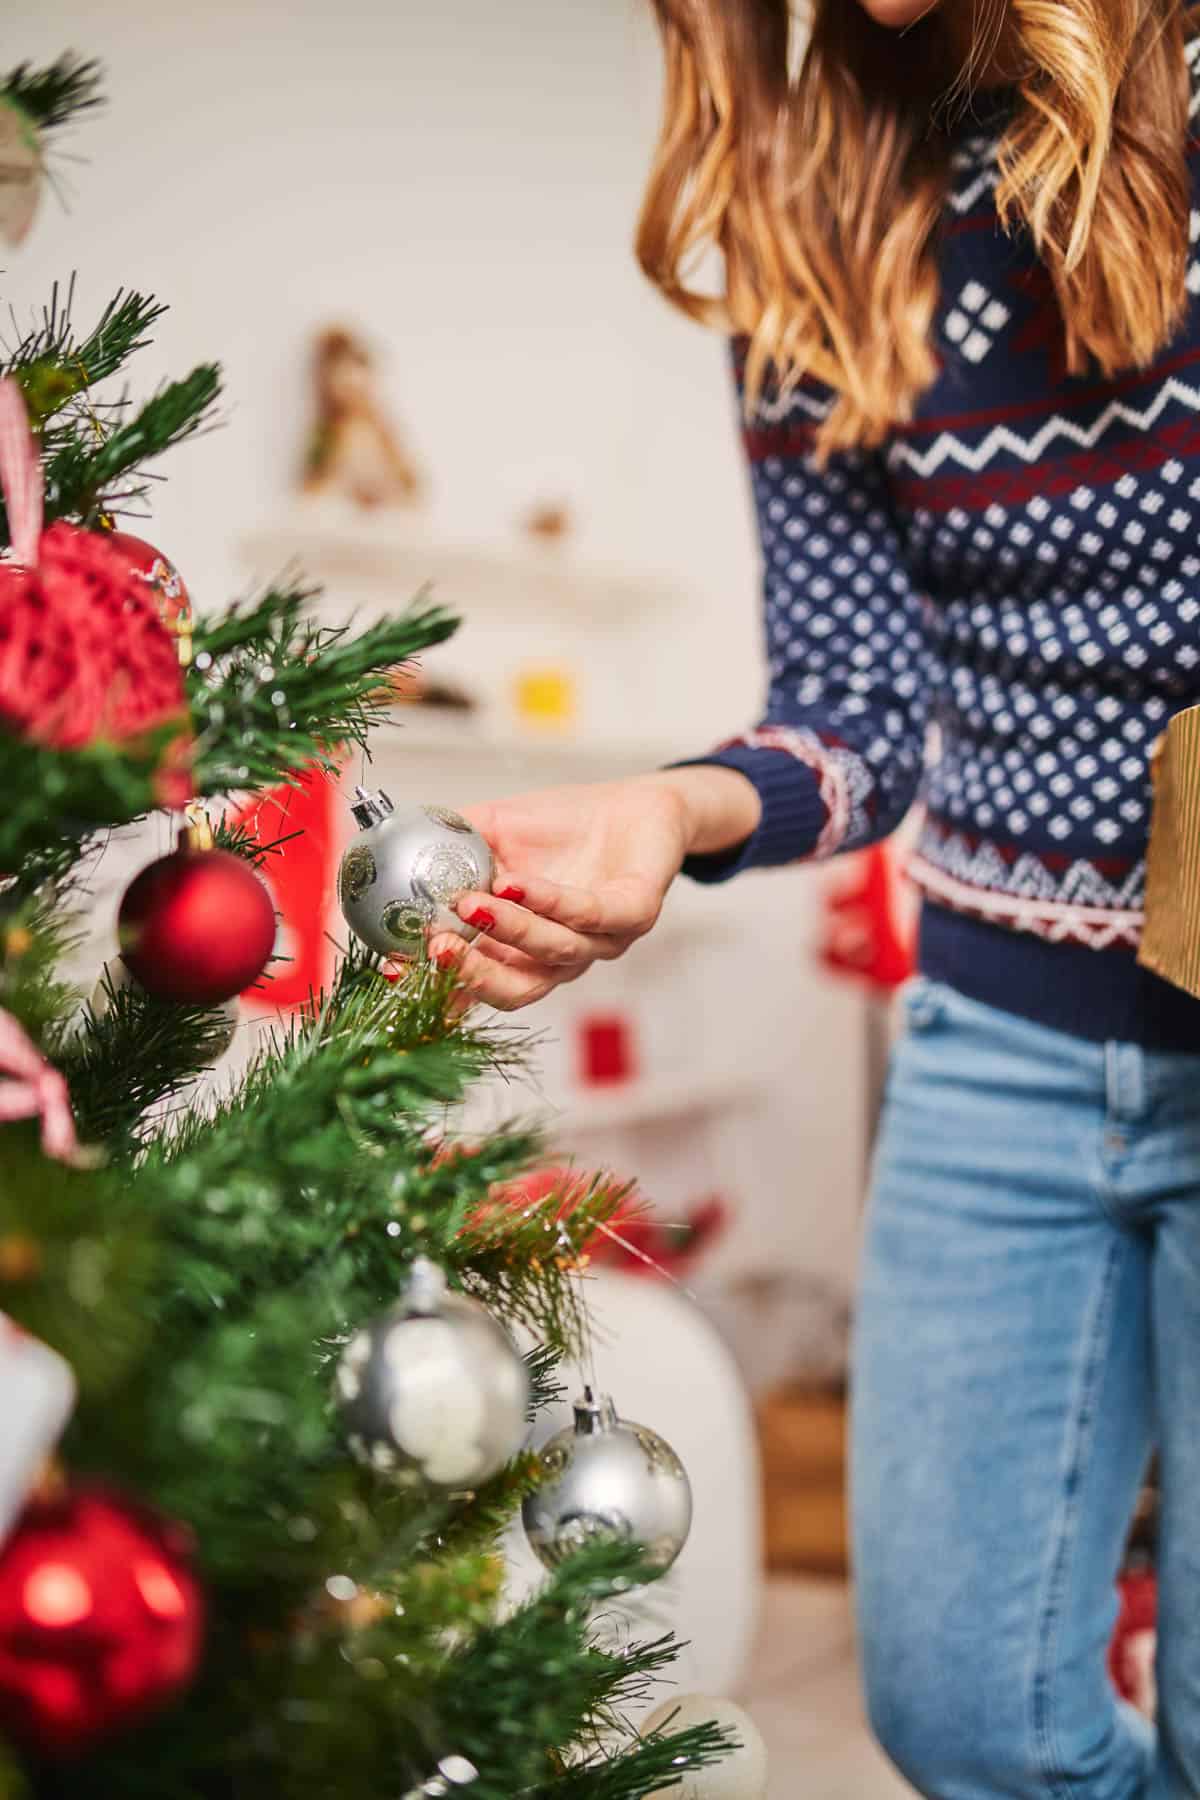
x,y
719,808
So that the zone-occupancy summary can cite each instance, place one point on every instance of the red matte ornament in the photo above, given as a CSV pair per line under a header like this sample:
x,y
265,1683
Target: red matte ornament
x,y
196,927
101,1619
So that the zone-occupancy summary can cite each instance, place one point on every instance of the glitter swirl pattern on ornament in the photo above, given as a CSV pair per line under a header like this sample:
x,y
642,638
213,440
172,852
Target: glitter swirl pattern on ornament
x,y
443,871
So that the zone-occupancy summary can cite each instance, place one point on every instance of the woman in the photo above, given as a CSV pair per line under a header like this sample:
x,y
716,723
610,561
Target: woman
x,y
956,248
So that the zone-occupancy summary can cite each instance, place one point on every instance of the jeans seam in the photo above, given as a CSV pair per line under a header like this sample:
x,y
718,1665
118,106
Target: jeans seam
x,y
1050,1761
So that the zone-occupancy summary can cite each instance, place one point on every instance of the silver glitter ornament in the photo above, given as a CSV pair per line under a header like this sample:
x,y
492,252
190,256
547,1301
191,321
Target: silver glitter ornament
x,y
609,1478
399,878
434,1391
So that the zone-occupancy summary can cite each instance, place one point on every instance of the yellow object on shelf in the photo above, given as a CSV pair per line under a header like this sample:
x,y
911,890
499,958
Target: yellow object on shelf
x,y
545,697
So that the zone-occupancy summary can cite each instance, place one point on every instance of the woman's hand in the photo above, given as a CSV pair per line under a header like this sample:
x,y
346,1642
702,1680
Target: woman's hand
x,y
581,873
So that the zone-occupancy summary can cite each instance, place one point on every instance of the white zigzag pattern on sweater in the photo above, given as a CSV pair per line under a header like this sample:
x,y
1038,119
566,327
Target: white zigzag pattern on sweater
x,y
1049,919
773,409
983,866
1079,906
947,447
961,200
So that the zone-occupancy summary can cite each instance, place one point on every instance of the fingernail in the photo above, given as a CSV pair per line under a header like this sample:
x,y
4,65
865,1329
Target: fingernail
x,y
515,894
481,919
445,959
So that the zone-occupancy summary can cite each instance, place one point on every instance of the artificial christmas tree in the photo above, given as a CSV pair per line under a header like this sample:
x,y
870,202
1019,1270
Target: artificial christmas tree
x,y
208,1592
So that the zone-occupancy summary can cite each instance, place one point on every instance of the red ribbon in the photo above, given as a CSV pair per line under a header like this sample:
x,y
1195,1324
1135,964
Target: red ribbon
x,y
20,474
31,1088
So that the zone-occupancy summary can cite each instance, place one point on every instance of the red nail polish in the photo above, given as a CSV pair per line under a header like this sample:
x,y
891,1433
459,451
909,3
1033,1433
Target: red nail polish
x,y
445,959
481,919
515,894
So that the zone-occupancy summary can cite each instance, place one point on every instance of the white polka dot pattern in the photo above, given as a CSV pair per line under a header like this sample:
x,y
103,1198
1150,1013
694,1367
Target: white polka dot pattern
x,y
846,643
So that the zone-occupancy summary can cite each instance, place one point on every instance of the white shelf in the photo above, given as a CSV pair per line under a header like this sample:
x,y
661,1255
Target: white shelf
x,y
654,1100
415,730
399,552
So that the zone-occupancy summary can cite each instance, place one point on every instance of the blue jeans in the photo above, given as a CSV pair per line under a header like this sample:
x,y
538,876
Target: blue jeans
x,y
1029,1327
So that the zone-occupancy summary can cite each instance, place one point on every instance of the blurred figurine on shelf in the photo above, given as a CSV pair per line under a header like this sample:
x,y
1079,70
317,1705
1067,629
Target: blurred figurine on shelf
x,y
549,522
354,453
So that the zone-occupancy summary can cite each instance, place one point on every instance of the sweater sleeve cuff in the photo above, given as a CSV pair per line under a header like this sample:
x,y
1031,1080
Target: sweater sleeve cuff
x,y
794,815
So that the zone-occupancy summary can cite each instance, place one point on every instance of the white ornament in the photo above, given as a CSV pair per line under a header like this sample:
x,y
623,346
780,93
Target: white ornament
x,y
741,1775
434,1390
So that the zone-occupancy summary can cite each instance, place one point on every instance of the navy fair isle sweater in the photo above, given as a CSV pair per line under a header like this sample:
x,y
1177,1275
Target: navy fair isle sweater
x,y
1019,568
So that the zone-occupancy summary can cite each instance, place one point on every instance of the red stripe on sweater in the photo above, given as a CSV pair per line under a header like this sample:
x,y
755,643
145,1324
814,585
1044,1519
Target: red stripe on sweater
x,y
795,437
1048,403
1011,487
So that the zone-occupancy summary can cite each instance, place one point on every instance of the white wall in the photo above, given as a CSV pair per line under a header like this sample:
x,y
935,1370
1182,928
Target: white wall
x,y
459,179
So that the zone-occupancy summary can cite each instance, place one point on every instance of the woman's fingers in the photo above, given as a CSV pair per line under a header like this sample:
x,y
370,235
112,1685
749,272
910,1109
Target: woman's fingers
x,y
537,934
495,974
543,939
621,909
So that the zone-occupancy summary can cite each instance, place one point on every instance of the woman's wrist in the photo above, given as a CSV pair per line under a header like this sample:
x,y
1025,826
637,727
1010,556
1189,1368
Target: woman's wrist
x,y
718,808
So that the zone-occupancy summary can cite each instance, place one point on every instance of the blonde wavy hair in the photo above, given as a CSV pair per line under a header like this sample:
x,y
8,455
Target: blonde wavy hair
x,y
822,185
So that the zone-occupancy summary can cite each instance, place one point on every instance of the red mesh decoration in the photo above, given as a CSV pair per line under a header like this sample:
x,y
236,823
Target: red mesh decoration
x,y
633,1240
84,655
101,1619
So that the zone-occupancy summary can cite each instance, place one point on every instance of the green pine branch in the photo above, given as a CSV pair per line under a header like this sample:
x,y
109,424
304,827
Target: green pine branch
x,y
122,1062
35,935
507,1726
651,1766
93,471
56,799
55,365
272,691
78,1262
58,93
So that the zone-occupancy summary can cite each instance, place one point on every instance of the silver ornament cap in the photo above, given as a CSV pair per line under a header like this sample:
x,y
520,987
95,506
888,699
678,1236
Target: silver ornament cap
x,y
609,1478
399,878
434,1392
